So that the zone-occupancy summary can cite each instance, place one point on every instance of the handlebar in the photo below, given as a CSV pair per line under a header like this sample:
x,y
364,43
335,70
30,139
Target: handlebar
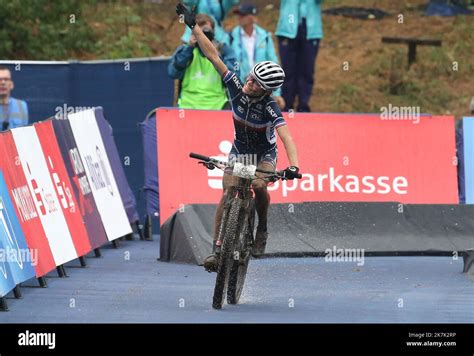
x,y
214,161
198,156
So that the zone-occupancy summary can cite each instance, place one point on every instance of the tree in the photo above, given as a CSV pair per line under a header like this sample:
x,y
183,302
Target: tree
x,y
44,29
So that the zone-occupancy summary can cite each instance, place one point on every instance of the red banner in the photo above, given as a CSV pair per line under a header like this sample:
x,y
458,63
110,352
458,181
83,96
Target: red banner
x,y
63,187
24,204
343,157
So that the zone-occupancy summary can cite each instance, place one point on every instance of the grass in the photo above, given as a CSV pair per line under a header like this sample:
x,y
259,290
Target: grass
x,y
348,97
440,81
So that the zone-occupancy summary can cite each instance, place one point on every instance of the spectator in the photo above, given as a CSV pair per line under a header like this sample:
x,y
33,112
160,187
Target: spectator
x,y
217,10
13,112
299,32
200,86
252,44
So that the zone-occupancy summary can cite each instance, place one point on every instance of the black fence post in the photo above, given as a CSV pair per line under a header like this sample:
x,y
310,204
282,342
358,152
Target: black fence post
x,y
17,292
148,228
3,304
42,282
82,261
61,271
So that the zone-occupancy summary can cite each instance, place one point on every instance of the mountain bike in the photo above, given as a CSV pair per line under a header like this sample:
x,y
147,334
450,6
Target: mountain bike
x,y
236,231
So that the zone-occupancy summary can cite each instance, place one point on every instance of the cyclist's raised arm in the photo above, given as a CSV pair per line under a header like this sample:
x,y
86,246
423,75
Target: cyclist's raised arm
x,y
207,48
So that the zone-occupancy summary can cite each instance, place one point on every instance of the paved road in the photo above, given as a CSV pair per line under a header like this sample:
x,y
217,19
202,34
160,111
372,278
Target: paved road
x,y
129,285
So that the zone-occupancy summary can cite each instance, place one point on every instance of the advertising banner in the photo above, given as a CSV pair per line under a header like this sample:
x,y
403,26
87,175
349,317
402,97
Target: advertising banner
x,y
116,164
100,174
343,157
25,207
47,204
6,277
63,186
80,183
15,250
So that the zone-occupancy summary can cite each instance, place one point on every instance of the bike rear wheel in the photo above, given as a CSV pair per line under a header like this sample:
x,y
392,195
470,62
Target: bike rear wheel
x,y
240,264
231,231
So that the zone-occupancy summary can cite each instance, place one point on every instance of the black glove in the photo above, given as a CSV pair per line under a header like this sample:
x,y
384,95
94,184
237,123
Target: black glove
x,y
290,173
188,15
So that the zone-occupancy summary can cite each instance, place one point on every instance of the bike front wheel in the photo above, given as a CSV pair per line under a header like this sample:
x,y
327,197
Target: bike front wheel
x,y
241,259
231,232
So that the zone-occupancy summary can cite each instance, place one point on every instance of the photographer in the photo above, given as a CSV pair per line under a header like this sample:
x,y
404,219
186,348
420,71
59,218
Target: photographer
x,y
200,85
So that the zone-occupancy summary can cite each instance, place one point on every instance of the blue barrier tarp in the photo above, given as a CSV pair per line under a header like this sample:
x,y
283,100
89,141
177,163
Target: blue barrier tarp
x,y
127,91
468,158
150,189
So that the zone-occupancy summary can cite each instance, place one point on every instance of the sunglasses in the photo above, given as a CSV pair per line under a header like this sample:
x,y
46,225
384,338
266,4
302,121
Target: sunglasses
x,y
252,79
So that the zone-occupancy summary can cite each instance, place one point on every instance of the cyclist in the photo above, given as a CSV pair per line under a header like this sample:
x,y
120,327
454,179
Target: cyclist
x,y
256,117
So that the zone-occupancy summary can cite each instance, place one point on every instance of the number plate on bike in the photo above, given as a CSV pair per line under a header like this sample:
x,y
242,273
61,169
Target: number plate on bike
x,y
243,171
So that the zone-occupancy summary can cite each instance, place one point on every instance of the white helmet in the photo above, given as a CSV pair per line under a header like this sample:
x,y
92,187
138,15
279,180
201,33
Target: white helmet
x,y
268,74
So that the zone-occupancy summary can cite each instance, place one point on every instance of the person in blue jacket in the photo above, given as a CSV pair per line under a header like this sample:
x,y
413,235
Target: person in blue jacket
x,y
13,112
217,9
252,44
299,32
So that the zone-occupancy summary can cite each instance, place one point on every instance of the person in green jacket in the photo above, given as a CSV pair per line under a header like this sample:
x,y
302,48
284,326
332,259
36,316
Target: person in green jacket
x,y
299,32
200,85
252,44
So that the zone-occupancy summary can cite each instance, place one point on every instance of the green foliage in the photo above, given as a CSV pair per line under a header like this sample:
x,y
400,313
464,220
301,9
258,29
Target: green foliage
x,y
124,35
125,46
44,29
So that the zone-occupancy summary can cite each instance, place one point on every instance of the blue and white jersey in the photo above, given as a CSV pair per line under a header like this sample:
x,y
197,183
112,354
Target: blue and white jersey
x,y
255,121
